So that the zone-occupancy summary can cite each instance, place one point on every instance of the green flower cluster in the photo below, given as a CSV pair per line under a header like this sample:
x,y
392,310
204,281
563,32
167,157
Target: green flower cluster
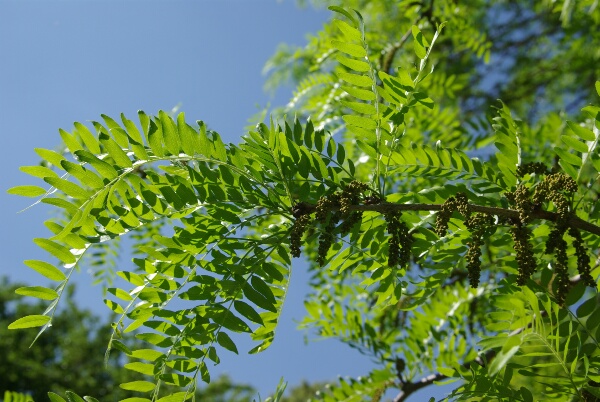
x,y
532,168
443,217
298,229
525,259
583,259
400,242
556,244
556,188
329,211
326,238
477,225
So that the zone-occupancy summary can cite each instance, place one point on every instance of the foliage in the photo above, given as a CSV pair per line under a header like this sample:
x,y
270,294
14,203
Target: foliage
x,y
68,359
445,242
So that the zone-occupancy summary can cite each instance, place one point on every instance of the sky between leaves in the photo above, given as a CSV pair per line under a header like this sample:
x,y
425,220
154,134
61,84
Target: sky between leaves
x,y
66,61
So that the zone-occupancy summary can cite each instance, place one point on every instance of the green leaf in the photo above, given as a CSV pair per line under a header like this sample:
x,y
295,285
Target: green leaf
x,y
247,311
104,169
88,138
38,292
358,121
30,321
511,346
420,43
55,397
115,151
345,13
114,306
46,269
190,142
361,94
144,368
176,397
170,135
50,156
27,191
70,189
574,143
581,132
353,64
38,171
225,341
73,397
568,157
146,354
355,79
135,399
175,379
360,107
57,250
351,33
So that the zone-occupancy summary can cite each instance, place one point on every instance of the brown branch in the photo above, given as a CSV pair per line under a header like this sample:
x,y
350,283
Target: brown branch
x,y
409,388
388,57
386,207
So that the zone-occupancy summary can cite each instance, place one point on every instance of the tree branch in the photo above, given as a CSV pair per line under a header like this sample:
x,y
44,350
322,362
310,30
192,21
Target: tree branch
x,y
410,387
386,207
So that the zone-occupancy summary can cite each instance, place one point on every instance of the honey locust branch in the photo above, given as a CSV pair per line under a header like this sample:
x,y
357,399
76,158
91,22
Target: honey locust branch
x,y
387,207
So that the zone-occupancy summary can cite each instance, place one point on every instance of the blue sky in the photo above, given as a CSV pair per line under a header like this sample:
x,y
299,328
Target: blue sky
x,y
67,61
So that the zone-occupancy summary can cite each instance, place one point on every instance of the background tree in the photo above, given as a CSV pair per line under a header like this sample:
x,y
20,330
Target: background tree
x,y
70,356
446,241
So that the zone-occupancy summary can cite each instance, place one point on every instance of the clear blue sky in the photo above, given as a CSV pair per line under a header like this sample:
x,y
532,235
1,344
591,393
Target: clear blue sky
x,y
66,61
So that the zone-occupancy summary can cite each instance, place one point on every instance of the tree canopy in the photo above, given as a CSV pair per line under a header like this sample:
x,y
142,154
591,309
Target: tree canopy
x,y
452,237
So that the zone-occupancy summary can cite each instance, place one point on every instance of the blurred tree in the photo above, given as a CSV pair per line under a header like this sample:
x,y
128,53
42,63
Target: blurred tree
x,y
71,356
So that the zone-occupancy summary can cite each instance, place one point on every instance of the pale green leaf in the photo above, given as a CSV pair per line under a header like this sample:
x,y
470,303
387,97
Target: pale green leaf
x,y
38,292
57,250
27,191
30,321
46,269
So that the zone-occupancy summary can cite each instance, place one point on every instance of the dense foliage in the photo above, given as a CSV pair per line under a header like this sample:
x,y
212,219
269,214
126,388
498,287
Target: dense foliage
x,y
448,240
68,359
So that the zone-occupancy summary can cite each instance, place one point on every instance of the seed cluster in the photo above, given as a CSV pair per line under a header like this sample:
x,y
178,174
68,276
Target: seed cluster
x,y
400,241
